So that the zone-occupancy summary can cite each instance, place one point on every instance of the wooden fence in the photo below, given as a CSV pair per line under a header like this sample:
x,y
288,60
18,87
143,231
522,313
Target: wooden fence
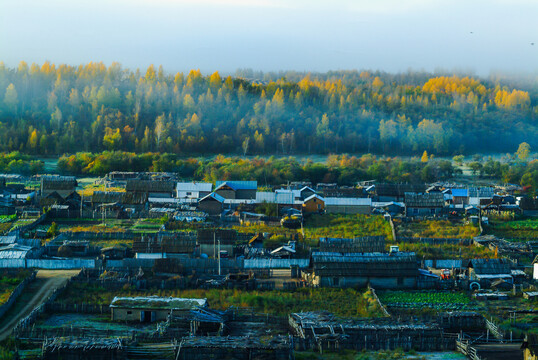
x,y
434,241
15,294
464,347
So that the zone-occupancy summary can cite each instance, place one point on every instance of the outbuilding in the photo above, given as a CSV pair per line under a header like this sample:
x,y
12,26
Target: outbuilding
x,y
151,308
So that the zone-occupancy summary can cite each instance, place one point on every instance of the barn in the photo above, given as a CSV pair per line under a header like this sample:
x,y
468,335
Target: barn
x,y
380,270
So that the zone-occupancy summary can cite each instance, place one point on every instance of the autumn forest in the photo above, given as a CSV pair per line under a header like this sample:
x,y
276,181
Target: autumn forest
x,y
55,109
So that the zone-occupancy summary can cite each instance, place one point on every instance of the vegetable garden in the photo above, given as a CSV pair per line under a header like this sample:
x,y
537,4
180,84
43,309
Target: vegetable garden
x,y
438,300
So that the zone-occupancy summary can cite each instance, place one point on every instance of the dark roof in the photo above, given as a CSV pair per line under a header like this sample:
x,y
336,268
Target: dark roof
x,y
150,186
398,189
356,245
427,200
58,182
490,266
107,197
365,264
207,236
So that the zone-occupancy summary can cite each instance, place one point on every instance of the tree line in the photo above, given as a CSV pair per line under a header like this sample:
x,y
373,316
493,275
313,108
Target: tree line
x,y
55,109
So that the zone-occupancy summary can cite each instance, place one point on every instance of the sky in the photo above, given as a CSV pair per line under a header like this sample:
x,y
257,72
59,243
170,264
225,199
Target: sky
x,y
471,36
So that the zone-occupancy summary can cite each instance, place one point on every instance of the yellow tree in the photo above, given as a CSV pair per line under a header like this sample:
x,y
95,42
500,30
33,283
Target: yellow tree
x,y
424,157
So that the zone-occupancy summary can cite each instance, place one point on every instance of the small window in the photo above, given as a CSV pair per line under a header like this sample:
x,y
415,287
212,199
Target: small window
x,y
415,211
129,312
319,206
400,280
336,281
432,211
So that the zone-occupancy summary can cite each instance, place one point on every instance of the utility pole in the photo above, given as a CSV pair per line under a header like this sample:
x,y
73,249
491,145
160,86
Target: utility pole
x,y
219,256
214,244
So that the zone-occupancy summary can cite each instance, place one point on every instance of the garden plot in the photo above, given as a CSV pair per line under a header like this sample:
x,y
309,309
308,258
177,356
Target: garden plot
x,y
519,229
437,300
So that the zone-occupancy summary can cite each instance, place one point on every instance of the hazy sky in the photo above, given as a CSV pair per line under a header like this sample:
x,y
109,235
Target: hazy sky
x,y
392,35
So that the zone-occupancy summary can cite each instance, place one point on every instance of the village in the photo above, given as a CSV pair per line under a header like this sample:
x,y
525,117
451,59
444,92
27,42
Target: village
x,y
140,265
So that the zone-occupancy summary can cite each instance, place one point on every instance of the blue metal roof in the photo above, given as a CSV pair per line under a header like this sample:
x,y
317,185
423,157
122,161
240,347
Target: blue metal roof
x,y
238,185
460,192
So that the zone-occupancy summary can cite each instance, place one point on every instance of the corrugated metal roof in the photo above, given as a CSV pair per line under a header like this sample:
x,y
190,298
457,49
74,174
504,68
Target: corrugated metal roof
x,y
238,185
333,201
460,192
194,186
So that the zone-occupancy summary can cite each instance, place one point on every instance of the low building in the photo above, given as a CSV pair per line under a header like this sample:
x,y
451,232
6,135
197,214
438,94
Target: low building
x,y
62,185
380,270
212,204
395,192
336,205
245,190
427,204
211,241
366,244
151,188
151,308
193,190
314,204
485,271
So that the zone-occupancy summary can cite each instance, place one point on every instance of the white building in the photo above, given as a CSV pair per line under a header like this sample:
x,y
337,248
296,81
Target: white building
x,y
193,190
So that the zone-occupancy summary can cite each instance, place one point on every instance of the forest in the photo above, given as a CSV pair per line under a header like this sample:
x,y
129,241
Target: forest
x,y
53,109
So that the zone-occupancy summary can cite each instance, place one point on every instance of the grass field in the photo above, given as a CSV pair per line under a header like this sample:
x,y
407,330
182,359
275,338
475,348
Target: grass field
x,y
342,302
346,226
436,229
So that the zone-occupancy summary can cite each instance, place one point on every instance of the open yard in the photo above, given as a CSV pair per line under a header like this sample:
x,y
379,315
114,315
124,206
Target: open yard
x,y
436,229
342,302
346,226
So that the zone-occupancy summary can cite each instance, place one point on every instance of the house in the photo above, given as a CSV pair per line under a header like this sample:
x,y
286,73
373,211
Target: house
x,y
151,308
212,204
424,204
193,190
481,196
396,192
460,196
336,205
62,185
151,188
314,204
237,189
380,270
485,271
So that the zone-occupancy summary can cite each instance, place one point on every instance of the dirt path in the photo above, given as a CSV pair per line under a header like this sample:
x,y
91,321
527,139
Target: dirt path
x,y
33,295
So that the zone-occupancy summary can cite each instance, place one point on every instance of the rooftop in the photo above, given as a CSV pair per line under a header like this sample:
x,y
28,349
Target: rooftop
x,y
157,303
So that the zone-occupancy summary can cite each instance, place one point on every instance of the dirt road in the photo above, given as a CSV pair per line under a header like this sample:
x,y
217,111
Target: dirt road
x,y
33,295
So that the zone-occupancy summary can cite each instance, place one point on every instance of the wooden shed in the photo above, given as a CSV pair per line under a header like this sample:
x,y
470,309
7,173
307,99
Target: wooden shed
x,y
151,308
212,204
314,204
